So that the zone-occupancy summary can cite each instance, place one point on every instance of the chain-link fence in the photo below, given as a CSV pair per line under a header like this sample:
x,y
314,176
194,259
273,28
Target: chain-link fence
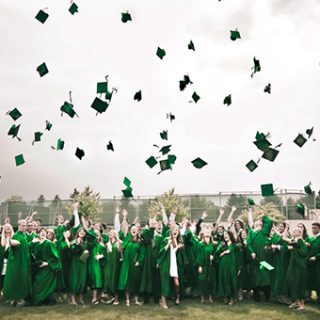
x,y
284,200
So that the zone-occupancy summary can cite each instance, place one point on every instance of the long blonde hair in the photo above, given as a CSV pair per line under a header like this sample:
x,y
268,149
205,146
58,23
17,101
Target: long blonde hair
x,y
4,237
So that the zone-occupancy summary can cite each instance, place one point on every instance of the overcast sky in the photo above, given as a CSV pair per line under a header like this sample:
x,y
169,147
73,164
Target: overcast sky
x,y
80,50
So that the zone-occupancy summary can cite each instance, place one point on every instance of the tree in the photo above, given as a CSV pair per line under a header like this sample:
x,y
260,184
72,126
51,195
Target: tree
x,y
56,201
269,209
199,204
41,200
89,203
240,202
18,199
74,194
169,201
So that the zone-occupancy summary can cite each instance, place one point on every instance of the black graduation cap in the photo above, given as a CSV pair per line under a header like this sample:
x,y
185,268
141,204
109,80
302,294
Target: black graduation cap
x,y
227,100
151,161
195,97
13,131
73,8
300,140
261,141
68,109
79,153
256,68
199,163
165,149
183,83
99,105
14,114
267,88
138,96
37,137
125,17
48,125
161,53
42,16
110,146
164,135
309,132
42,69
234,35
191,46
270,154
171,117
251,165
164,165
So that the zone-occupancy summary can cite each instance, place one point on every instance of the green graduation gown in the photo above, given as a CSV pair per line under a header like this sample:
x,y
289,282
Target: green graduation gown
x,y
243,271
314,266
45,281
17,282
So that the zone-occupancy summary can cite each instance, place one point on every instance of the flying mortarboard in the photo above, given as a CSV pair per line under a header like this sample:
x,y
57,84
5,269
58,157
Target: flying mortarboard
x,y
300,208
42,69
42,16
251,165
68,109
164,165
300,140
151,161
164,135
250,202
126,182
48,125
183,83
19,160
13,131
227,100
265,265
160,53
60,144
270,154
37,137
261,141
307,189
110,146
234,35
138,96
14,114
79,153
99,105
102,87
199,163
172,158
267,190
256,68
191,46
125,17
128,191
165,149
73,8
170,116
195,97
267,88
309,132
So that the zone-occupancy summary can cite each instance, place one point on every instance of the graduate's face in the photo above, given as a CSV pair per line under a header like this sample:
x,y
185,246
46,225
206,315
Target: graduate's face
x,y
237,225
244,235
175,232
280,228
97,232
22,225
258,225
134,231
220,231
226,236
43,234
82,233
315,230
297,232
50,235
207,233
112,235
159,227
7,229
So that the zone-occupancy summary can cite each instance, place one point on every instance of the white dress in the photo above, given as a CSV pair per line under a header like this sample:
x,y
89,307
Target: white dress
x,y
173,262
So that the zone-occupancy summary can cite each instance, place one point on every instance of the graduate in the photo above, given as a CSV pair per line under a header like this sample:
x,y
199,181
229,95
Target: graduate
x,y
48,265
17,282
171,263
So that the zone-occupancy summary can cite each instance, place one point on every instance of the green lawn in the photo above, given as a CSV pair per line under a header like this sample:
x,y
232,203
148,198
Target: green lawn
x,y
189,309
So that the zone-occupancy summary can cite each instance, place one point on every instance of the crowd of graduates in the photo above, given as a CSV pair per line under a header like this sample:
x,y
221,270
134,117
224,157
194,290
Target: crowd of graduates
x,y
158,260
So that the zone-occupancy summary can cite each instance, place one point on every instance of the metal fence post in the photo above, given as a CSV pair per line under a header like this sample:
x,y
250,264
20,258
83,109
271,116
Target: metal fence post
x,y
190,210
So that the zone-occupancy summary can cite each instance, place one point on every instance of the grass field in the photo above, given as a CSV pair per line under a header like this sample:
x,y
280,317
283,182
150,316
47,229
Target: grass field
x,y
189,309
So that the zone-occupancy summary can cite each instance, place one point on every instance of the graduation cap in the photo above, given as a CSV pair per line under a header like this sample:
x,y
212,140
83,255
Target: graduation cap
x,y
164,135
19,160
191,46
151,161
14,114
234,35
307,189
270,154
37,137
42,16
13,131
165,149
102,87
171,117
79,153
48,125
227,100
183,83
309,132
256,68
267,190
73,8
68,109
265,265
172,159
161,53
42,69
250,201
126,182
300,208
99,105
138,96
60,144
164,165
195,97
251,165
110,146
128,191
300,140
261,141
267,88
199,163
125,17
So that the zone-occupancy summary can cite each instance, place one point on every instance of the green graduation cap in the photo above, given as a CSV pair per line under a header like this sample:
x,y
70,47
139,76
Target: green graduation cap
x,y
300,140
125,17
250,202
170,116
234,35
13,131
262,144
161,53
110,146
73,8
227,100
37,137
79,153
48,125
99,105
300,208
307,189
172,158
42,69
164,165
138,96
164,135
199,163
14,114
151,162
42,16
183,83
191,46
270,154
256,68
309,132
251,165
267,88
68,109
265,265
267,190
60,144
126,182
195,97
102,87
19,160
127,192
165,149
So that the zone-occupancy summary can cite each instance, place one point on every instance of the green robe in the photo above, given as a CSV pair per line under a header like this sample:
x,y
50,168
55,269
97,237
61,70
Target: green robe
x,y
257,242
164,265
17,282
227,278
296,280
243,271
191,275
130,274
314,266
45,282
